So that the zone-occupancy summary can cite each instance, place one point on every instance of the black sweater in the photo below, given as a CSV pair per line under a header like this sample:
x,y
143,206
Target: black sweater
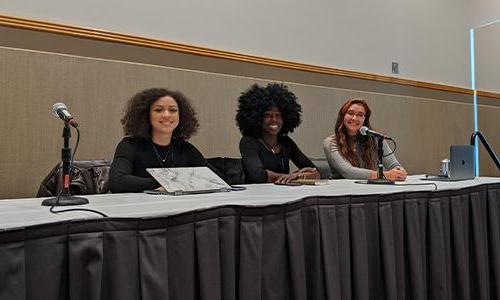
x,y
132,157
257,158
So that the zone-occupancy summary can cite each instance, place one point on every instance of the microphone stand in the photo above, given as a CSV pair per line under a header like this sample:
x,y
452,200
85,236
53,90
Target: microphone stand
x,y
65,197
380,170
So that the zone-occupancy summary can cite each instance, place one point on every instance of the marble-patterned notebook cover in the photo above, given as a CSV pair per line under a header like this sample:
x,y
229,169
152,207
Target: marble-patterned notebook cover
x,y
193,180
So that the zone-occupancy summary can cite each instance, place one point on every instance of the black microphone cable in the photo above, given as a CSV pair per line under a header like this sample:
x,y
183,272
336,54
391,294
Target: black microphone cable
x,y
71,173
393,150
427,183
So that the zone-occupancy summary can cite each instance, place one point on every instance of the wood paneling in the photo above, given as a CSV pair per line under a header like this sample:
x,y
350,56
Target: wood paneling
x,y
103,35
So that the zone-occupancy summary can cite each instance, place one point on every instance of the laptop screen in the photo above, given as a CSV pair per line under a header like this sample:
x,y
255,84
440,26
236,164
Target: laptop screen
x,y
462,161
190,180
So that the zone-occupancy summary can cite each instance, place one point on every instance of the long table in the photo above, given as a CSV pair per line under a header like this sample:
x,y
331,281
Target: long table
x,y
339,241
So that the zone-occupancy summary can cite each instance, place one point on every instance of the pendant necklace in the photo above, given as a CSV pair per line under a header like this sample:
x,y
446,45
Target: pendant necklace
x,y
275,156
162,160
268,146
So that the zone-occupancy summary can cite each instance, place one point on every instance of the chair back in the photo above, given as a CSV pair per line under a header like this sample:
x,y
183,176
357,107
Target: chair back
x,y
230,169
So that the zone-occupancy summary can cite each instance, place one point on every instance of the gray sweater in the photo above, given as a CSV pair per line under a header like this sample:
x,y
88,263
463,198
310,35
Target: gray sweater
x,y
342,168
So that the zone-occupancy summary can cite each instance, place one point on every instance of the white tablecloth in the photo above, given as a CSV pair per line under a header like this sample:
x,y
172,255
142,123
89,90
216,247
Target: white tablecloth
x,y
16,213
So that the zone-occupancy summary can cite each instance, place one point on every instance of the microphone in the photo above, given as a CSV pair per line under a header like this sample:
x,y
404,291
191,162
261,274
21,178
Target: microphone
x,y
366,131
61,111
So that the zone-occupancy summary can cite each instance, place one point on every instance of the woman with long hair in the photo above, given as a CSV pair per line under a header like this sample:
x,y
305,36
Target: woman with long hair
x,y
354,156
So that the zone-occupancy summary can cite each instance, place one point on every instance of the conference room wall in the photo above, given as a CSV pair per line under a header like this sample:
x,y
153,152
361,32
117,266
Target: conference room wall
x,y
487,57
428,38
95,90
484,11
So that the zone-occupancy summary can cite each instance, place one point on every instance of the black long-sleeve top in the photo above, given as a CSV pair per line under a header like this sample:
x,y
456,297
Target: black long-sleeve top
x,y
257,158
132,157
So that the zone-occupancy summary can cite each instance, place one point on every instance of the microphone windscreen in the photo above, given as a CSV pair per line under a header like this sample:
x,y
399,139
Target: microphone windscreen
x,y
363,130
57,106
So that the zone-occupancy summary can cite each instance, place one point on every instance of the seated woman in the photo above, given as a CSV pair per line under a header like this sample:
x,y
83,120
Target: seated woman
x,y
354,156
265,116
157,123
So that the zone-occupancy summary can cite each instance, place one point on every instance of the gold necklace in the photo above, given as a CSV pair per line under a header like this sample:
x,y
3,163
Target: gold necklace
x,y
269,146
162,160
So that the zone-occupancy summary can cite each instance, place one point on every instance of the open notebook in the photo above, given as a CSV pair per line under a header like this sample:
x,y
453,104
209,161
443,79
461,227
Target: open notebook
x,y
193,180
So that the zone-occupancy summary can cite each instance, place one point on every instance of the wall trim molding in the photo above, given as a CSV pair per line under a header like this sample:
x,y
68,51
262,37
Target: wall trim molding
x,y
488,94
102,35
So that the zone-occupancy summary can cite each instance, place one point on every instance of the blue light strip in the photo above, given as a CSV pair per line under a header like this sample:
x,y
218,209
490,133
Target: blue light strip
x,y
473,86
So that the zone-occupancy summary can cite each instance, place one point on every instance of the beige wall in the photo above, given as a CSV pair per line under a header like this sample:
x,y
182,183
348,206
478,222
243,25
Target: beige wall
x,y
487,58
424,123
360,35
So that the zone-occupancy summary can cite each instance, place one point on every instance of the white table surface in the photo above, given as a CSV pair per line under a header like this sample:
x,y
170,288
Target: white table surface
x,y
16,213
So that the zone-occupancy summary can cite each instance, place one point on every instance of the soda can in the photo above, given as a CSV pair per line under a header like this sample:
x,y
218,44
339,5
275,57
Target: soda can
x,y
445,168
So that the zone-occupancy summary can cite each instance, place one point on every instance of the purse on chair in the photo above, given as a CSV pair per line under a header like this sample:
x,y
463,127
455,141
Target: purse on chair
x,y
87,177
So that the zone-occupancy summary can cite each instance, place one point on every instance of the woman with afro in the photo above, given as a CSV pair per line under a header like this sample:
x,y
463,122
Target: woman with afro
x,y
265,116
157,123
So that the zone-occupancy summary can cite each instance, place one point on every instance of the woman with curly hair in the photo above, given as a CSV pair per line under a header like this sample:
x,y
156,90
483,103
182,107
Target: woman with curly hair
x,y
352,155
265,116
157,123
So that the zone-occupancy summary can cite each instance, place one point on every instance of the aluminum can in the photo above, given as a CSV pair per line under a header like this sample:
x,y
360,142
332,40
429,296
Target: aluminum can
x,y
445,168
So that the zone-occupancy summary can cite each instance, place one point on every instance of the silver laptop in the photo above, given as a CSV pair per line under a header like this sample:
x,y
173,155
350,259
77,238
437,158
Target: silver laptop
x,y
193,180
461,164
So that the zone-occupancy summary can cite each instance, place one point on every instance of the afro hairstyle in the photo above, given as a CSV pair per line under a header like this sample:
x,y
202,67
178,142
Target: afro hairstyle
x,y
254,102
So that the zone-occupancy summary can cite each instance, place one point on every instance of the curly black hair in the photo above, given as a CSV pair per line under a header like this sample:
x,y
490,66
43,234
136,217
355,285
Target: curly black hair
x,y
254,102
136,121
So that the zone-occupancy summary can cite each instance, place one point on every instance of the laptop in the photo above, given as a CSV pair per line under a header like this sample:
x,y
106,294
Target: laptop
x,y
191,180
461,164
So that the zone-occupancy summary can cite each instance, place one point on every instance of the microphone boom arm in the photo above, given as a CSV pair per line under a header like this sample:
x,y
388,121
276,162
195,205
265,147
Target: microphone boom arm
x,y
486,145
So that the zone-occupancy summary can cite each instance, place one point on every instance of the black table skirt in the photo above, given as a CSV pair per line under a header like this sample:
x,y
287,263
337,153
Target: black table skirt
x,y
417,245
